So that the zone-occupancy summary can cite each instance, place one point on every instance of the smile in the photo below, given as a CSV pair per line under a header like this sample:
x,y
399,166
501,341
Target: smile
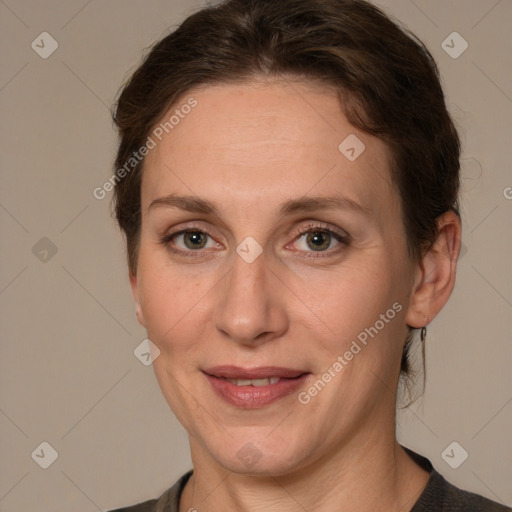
x,y
254,382
256,387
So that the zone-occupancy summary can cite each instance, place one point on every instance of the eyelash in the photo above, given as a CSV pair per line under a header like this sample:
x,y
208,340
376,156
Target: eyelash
x,y
310,228
322,228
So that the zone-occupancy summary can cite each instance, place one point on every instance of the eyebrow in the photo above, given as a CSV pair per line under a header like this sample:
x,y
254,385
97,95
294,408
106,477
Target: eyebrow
x,y
195,204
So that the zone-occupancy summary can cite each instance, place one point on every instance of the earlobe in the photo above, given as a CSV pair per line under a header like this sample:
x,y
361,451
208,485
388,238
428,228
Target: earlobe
x,y
135,292
435,274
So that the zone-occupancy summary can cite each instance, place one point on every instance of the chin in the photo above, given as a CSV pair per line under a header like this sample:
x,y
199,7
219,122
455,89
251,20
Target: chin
x,y
262,457
265,466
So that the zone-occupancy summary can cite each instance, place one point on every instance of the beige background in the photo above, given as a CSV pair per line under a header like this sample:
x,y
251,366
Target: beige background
x,y
68,373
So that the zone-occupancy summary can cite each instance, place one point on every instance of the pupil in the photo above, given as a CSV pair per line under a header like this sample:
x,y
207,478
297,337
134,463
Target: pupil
x,y
194,240
319,240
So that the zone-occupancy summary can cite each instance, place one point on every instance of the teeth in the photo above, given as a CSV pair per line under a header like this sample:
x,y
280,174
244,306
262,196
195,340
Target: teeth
x,y
254,382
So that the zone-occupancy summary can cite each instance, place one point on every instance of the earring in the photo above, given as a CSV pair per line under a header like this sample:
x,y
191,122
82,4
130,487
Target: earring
x,y
423,334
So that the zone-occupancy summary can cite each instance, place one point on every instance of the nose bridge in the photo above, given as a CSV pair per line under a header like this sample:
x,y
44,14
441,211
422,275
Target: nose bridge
x,y
246,307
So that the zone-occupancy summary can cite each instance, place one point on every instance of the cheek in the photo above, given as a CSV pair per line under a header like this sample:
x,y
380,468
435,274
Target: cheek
x,y
346,300
366,317
363,307
173,303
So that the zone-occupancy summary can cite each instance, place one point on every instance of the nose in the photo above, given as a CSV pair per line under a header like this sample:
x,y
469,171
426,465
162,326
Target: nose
x,y
250,307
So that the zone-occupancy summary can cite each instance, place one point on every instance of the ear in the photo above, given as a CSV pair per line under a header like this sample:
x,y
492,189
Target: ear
x,y
435,274
135,292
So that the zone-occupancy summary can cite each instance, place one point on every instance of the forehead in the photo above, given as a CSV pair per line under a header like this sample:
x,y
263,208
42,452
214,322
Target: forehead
x,y
263,141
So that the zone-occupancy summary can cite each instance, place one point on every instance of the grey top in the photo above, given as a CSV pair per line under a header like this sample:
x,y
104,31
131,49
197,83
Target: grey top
x,y
438,496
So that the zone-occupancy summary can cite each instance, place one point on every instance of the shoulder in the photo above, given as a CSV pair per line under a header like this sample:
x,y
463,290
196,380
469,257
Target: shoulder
x,y
147,506
442,496
168,502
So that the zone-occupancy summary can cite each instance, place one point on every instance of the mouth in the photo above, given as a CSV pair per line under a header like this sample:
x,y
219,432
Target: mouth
x,y
254,382
254,387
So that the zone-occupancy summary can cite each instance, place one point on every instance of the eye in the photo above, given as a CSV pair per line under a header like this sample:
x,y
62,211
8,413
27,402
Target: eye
x,y
312,238
189,242
193,239
319,238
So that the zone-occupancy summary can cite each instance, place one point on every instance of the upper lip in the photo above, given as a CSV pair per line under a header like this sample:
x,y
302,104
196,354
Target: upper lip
x,y
260,372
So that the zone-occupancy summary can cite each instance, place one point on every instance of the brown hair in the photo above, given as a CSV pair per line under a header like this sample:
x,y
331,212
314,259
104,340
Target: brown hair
x,y
387,81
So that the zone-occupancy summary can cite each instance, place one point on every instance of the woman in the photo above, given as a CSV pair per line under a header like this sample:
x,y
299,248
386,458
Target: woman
x,y
287,181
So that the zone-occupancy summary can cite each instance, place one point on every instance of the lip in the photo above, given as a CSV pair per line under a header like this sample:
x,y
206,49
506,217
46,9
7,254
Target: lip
x,y
260,372
254,397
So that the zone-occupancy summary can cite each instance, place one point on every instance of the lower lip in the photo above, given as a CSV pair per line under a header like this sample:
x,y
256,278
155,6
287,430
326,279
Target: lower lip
x,y
255,397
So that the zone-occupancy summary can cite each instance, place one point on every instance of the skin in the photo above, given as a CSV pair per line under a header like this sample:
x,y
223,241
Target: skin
x,y
249,148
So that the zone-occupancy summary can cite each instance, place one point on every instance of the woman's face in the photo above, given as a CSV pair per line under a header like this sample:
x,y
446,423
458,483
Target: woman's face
x,y
272,245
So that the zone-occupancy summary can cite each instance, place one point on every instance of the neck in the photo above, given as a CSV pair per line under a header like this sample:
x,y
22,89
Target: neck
x,y
365,475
